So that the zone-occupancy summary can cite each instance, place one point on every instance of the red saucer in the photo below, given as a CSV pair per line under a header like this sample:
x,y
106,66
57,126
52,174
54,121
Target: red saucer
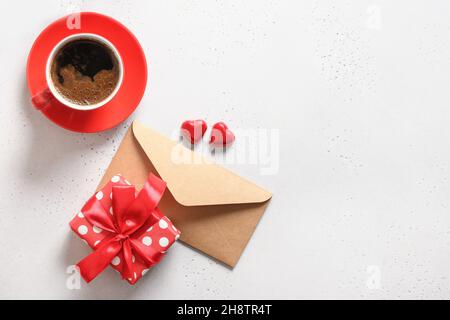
x,y
130,92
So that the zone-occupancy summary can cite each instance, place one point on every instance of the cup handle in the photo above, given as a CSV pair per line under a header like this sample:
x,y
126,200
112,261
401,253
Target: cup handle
x,y
42,99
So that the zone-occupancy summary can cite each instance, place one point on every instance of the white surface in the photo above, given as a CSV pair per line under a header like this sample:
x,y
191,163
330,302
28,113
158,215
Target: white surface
x,y
359,93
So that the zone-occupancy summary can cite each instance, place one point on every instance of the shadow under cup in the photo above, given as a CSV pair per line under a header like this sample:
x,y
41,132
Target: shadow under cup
x,y
84,71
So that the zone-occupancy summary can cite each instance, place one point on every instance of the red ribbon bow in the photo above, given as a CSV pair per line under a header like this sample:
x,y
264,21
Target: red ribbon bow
x,y
133,215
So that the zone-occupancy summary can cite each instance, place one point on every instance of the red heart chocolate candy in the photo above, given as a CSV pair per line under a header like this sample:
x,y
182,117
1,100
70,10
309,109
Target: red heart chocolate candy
x,y
221,136
193,130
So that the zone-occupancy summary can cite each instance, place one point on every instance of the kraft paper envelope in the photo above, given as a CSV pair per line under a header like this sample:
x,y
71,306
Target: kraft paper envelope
x,y
216,210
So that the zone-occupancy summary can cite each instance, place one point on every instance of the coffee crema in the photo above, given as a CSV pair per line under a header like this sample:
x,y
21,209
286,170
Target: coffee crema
x,y
85,71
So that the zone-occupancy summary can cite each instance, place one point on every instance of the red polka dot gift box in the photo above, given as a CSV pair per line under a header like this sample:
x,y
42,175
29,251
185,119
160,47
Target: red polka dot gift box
x,y
124,228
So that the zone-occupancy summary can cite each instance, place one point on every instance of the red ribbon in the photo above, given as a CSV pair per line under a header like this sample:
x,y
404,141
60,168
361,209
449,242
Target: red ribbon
x,y
132,216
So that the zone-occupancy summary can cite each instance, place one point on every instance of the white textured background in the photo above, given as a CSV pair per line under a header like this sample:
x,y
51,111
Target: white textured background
x,y
360,93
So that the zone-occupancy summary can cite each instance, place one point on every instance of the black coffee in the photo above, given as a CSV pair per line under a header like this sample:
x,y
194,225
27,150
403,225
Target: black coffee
x,y
85,71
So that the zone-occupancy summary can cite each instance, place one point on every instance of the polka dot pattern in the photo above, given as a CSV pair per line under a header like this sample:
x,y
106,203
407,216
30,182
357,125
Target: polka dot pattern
x,y
163,224
163,242
156,238
147,241
115,261
83,230
99,195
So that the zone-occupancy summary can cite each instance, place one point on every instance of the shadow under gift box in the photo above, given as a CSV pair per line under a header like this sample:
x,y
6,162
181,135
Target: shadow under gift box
x,y
215,209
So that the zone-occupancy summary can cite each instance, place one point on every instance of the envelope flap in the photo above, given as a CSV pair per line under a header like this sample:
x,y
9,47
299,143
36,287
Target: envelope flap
x,y
193,179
